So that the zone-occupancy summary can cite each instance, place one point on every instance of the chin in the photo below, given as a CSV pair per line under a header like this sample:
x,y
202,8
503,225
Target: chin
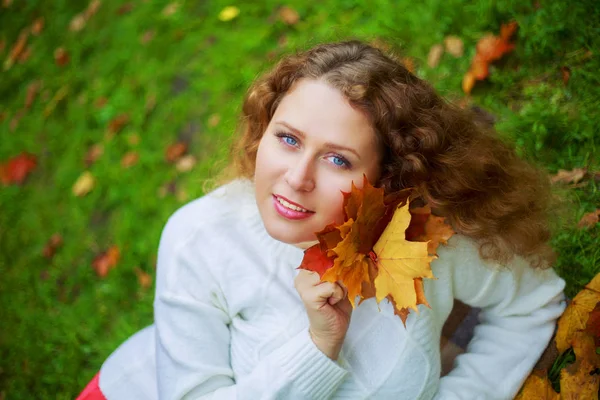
x,y
284,234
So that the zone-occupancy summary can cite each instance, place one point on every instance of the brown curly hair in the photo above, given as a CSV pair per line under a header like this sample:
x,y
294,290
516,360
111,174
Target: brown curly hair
x,y
461,168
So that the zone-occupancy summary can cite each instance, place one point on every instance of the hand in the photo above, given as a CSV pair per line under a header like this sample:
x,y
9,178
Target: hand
x,y
328,309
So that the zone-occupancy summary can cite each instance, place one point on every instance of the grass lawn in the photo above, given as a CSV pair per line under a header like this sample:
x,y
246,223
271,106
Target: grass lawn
x,y
143,75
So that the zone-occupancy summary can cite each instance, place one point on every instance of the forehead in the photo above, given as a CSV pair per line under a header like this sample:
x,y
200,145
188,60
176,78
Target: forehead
x,y
321,111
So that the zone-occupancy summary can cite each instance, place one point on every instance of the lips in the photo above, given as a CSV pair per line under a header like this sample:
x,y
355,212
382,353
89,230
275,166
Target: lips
x,y
291,202
288,213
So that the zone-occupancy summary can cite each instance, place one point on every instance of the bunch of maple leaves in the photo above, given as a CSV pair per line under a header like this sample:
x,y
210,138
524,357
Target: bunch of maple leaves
x,y
578,333
383,249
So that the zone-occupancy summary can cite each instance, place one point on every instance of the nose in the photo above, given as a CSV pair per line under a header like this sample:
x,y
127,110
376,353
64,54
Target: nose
x,y
300,175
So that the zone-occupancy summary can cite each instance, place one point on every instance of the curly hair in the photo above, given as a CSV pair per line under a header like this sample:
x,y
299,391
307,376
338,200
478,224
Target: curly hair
x,y
461,168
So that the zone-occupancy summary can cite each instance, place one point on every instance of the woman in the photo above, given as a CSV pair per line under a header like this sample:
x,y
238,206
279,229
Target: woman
x,y
235,318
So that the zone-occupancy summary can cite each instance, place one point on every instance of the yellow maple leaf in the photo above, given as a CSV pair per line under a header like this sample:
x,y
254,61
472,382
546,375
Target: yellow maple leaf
x,y
576,315
578,380
400,262
537,387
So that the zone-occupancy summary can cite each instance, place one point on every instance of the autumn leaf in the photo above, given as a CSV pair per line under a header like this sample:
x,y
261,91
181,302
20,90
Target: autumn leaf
x,y
489,48
537,387
17,49
185,163
130,159
84,184
577,313
573,176
118,123
400,262
454,46
53,244
16,169
426,227
144,279
175,151
106,261
589,219
61,57
37,26
578,380
593,324
229,13
435,55
288,15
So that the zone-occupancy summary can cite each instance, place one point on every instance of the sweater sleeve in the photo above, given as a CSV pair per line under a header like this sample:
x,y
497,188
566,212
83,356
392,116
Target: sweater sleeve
x,y
193,336
519,305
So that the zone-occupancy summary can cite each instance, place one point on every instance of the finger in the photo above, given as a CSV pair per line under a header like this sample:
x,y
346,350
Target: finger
x,y
306,279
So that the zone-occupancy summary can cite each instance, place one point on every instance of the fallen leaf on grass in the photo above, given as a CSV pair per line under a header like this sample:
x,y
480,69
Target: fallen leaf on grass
x,y
288,15
489,48
16,169
214,120
578,380
144,279
435,55
106,261
16,50
93,154
537,387
32,90
572,176
84,184
454,46
53,244
577,314
130,159
117,123
170,9
175,151
186,163
229,13
589,220
37,26
77,23
61,57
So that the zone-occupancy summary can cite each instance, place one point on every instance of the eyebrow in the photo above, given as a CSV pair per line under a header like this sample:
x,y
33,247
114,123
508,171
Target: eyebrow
x,y
328,144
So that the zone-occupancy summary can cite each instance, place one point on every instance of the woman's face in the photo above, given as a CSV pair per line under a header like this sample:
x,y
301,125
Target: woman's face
x,y
316,144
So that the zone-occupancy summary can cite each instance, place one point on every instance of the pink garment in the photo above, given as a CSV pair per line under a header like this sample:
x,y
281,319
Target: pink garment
x,y
92,390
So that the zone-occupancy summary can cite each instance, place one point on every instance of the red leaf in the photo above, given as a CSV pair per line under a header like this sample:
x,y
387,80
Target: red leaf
x,y
106,261
17,168
315,260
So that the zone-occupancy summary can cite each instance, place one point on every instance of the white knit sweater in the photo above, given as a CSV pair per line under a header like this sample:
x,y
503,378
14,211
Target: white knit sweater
x,y
229,323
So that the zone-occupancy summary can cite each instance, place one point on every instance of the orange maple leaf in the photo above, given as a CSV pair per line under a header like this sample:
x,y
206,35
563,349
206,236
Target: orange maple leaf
x,y
426,227
537,387
578,380
489,48
371,262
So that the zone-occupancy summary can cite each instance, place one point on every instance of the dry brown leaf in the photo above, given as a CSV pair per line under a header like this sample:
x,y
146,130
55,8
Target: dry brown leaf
x,y
38,26
61,57
77,23
118,123
435,55
454,46
589,220
144,279
32,90
170,9
16,50
289,15
93,154
130,159
147,36
84,184
53,244
106,261
566,74
214,120
572,176
175,151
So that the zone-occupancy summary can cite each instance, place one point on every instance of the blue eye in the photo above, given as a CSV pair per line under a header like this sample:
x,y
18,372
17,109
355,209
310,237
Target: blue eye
x,y
339,161
290,140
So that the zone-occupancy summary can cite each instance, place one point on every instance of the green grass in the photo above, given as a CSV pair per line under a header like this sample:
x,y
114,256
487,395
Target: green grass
x,y
59,321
